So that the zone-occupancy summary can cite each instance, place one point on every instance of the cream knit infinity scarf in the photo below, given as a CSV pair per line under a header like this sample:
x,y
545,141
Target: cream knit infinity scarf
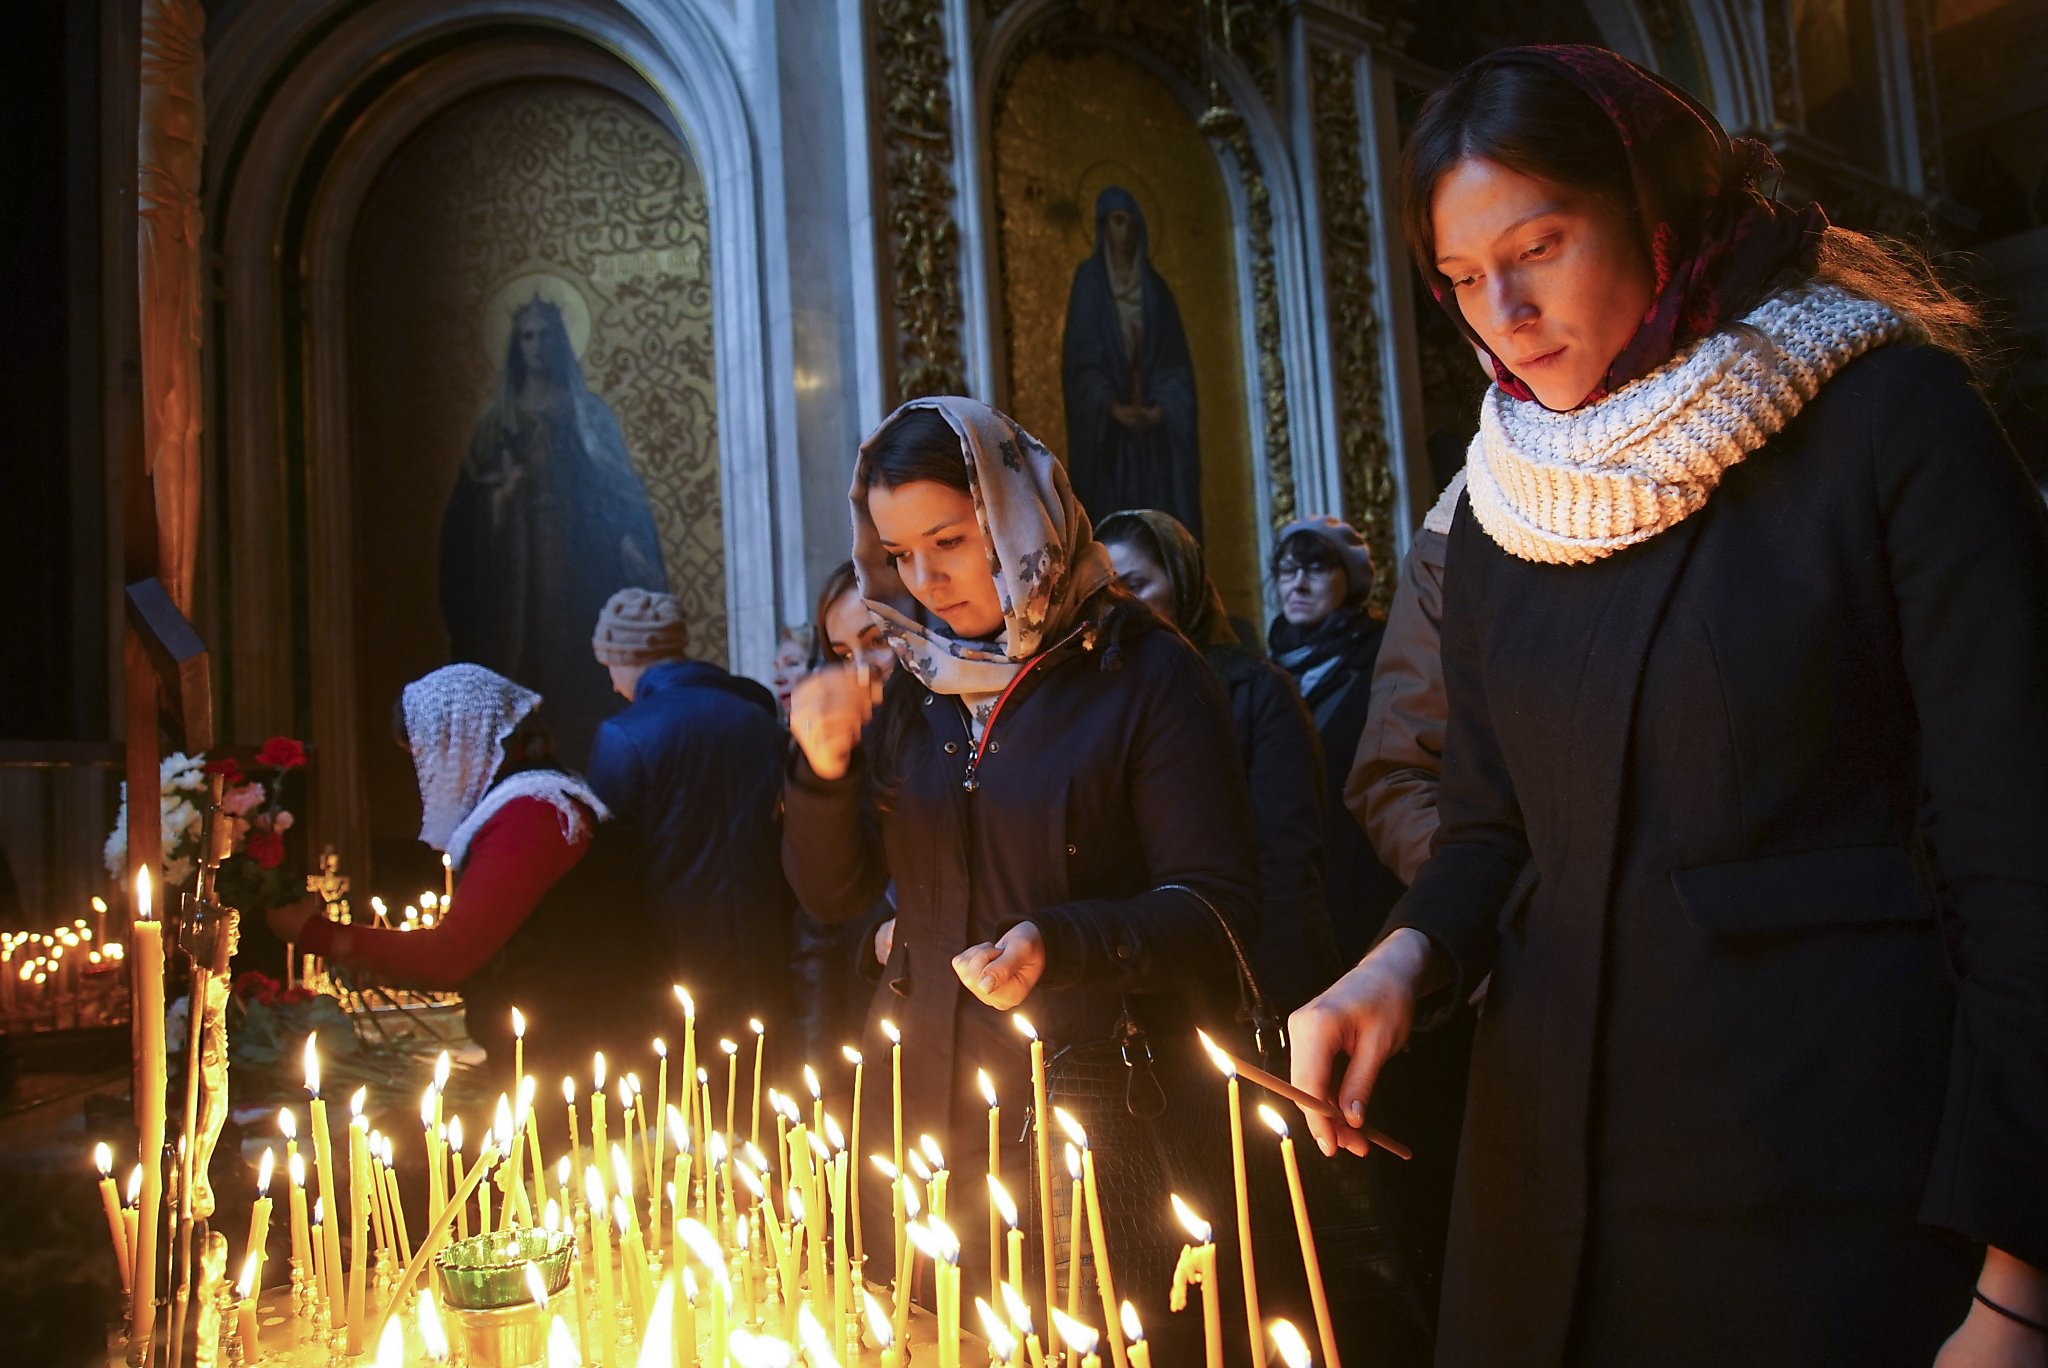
x,y
1570,488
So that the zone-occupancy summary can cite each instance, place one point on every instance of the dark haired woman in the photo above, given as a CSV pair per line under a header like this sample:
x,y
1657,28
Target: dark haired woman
x,y
1052,780
545,916
1744,570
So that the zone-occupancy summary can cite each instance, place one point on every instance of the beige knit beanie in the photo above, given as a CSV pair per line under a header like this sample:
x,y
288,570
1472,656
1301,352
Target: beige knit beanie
x,y
639,627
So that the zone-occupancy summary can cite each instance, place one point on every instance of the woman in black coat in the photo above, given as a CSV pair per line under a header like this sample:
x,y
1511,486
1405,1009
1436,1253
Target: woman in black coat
x,y
1745,642
1049,779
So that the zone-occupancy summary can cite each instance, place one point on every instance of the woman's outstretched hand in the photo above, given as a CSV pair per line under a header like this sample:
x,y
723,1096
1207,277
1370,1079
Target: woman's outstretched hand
x,y
1002,973
827,709
1363,1019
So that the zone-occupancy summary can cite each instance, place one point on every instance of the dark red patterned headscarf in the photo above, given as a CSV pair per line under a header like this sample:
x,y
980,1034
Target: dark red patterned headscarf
x,y
1714,238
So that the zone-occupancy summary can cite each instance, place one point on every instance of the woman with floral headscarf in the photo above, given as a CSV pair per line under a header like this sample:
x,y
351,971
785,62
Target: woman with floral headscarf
x,y
544,917
1745,642
1049,779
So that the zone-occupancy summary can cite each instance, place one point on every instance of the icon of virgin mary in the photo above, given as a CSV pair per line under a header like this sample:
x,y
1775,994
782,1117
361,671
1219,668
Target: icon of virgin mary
x,y
548,519
1128,378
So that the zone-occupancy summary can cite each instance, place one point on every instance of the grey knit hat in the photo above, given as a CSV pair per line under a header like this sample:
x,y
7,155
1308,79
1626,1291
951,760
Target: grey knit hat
x,y
1344,542
639,627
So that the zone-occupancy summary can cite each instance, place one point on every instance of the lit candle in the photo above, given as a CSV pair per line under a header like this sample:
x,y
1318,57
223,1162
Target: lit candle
x,y
1228,1068
597,1138
288,1127
732,1080
658,1343
754,1113
529,1121
1077,1231
880,1331
655,1231
302,1258
860,1258
575,1144
128,1215
110,1198
1020,1317
600,1251
330,1189
817,1093
930,1149
906,1266
433,1338
396,1203
247,1289
934,1239
697,1125
358,1218
1041,1123
259,1221
319,1245
1081,1339
632,1259
704,1246
1134,1335
816,1343
562,1351
995,1167
146,937
1004,1205
1003,1345
447,881
518,1048
1198,1265
842,1290
391,1346
380,1207
1105,1283
640,1125
1325,1334
455,1170
437,1228
1293,1348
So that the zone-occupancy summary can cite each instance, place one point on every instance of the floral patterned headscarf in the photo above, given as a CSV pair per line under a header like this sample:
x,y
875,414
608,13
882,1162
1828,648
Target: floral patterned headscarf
x,y
1712,234
1042,555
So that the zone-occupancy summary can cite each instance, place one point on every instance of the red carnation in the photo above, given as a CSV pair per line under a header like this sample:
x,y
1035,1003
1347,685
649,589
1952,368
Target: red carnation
x,y
228,767
281,752
266,848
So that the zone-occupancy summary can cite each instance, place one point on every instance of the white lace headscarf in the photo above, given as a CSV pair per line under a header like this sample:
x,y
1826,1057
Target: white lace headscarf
x,y
456,722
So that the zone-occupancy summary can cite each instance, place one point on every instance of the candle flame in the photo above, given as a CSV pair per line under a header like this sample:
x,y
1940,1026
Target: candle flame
x,y
391,1345
883,1166
1001,1342
832,1132
1073,1163
931,1151
714,1148
796,1204
751,1180
911,1205
501,1118
319,1209
657,1350
455,1134
678,1128
597,1072
103,1155
1006,1205
1078,1337
1196,1227
1072,1127
626,1094
754,1025
263,1171
988,1089
819,1148
357,1102
295,1169
1223,1062
811,1083
432,1337
1273,1119
135,1185
852,1055
1133,1332
622,1172
527,1088
245,1286
593,1188
689,1003
562,1346
889,1030
312,1060
922,1238
288,1123
1019,1309
443,1066
731,1047
754,1155
750,1350
1293,1348
536,1286
702,1244
143,910
622,1214
562,1170
660,1047
918,1166
568,1090
551,1215
99,904
880,1333
817,1344
1023,1025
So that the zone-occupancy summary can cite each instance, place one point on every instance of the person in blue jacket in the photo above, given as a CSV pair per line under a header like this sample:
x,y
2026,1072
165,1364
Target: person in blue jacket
x,y
692,769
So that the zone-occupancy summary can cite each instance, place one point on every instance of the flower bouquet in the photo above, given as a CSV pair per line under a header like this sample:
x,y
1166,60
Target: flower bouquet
x,y
254,877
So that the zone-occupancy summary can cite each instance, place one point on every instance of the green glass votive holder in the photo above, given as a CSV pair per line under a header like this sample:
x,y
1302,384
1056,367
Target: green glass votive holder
x,y
484,1287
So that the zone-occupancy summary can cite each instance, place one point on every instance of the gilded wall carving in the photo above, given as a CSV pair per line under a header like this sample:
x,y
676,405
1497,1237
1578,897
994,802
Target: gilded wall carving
x,y
1362,452
1072,124
917,177
577,194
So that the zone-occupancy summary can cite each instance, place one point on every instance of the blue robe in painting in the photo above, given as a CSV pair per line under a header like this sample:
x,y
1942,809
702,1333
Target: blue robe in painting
x,y
1113,466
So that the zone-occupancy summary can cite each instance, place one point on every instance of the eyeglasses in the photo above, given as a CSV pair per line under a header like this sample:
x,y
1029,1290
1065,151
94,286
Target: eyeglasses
x,y
1287,570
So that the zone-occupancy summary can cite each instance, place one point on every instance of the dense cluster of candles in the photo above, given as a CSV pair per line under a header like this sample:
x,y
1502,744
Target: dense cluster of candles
x,y
744,1251
67,978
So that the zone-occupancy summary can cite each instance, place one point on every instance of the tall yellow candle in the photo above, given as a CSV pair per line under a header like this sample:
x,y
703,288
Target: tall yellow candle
x,y
134,1199
995,1168
1020,1314
259,1215
1080,1339
575,1143
1077,1231
396,1204
247,1289
1105,1282
1254,1330
358,1219
110,1199
860,1257
1041,1123
1325,1332
606,1314
302,1257
632,1259
1134,1335
146,958
842,1288
655,1230
319,1244
597,1135
288,1127
754,1112
536,1168
518,1049
380,1208
695,1123
880,1330
330,1191
455,1171
732,1080
1005,1206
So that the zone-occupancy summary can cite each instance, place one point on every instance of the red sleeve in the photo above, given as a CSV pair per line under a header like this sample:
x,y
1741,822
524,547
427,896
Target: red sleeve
x,y
515,858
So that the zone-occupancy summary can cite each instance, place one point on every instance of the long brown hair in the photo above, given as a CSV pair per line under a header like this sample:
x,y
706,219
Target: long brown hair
x,y
1534,121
